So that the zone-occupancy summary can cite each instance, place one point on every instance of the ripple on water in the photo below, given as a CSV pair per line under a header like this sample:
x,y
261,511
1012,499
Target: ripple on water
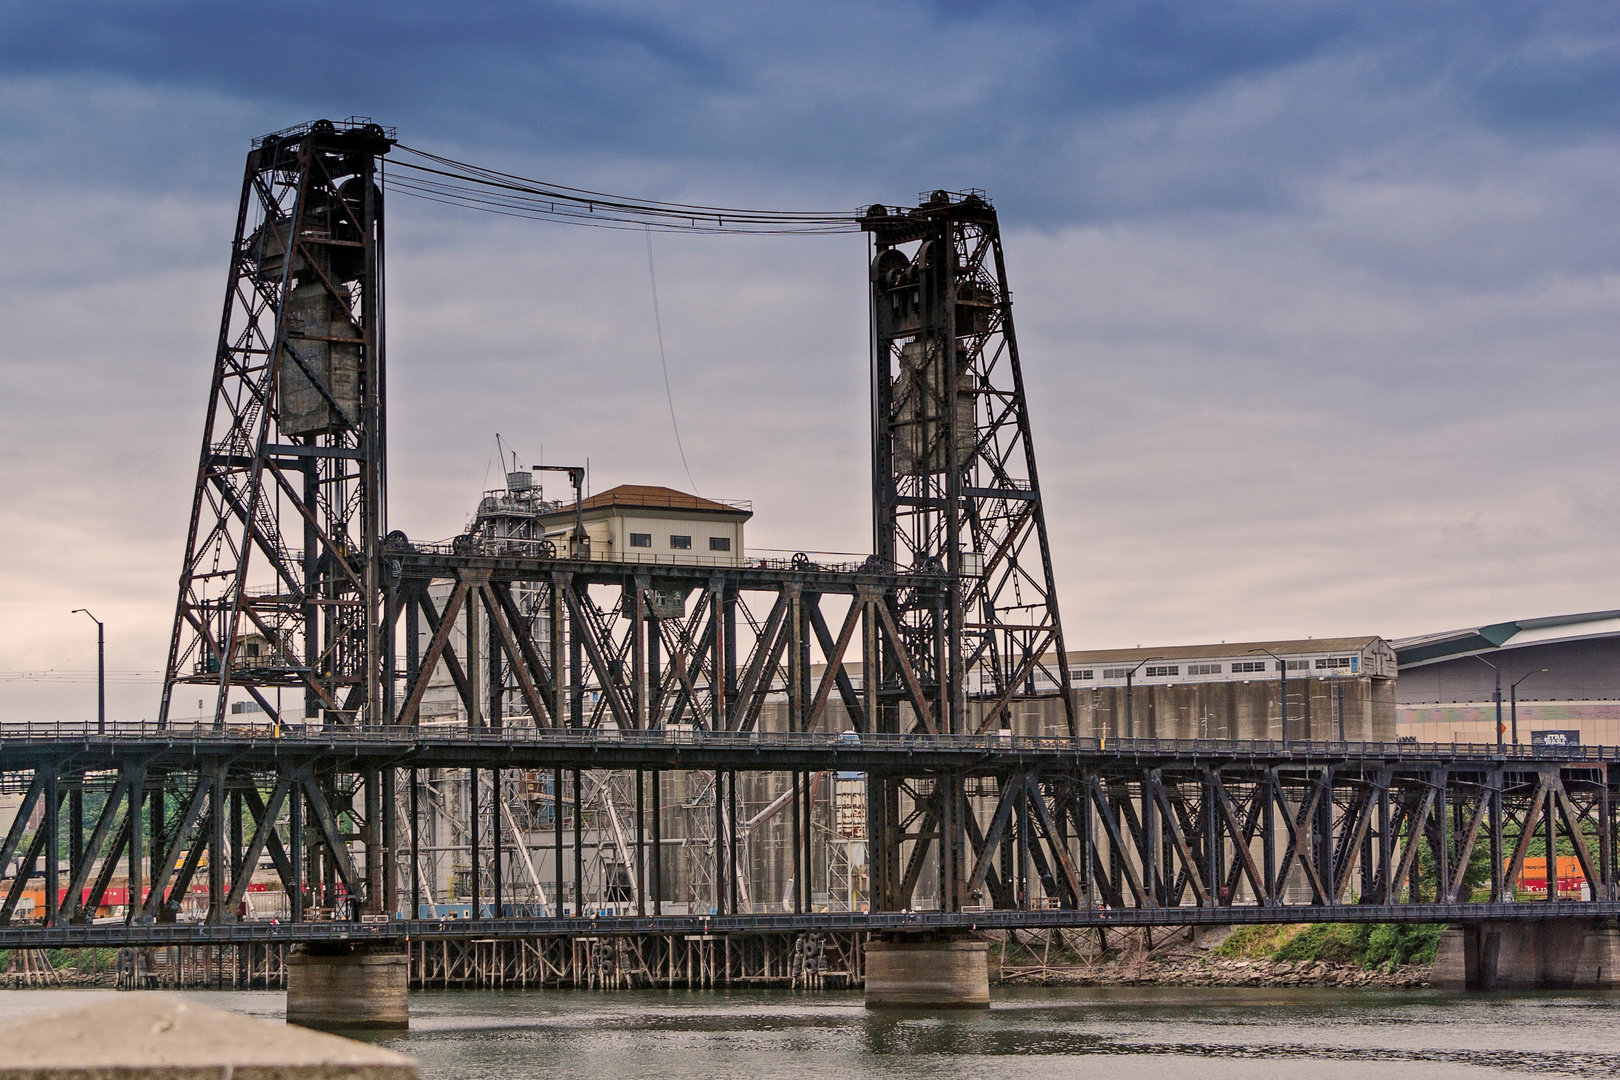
x,y
1211,1034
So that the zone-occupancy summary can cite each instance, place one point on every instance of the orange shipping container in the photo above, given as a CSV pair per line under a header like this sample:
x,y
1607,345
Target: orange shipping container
x,y
1533,878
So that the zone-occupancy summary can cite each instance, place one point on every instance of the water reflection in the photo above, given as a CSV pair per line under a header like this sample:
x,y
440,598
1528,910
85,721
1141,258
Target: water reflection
x,y
1028,1035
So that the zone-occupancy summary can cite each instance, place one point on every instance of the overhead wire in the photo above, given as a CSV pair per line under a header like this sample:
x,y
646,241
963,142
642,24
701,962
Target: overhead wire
x,y
458,183
658,323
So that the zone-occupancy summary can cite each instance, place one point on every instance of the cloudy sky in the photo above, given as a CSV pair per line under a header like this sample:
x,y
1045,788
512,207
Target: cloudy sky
x,y
1318,301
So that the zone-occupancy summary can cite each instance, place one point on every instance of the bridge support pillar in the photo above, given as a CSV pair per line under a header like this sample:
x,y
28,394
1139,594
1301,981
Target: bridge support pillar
x,y
911,973
348,986
1530,954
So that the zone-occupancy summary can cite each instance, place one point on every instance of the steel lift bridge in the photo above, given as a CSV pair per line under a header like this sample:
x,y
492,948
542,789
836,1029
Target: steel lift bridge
x,y
903,670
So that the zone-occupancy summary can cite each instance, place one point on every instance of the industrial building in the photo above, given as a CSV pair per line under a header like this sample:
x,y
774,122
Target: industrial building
x,y
1558,678
1337,688
648,524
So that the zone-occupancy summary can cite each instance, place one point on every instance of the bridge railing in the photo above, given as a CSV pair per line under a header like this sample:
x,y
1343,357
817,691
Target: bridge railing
x,y
327,734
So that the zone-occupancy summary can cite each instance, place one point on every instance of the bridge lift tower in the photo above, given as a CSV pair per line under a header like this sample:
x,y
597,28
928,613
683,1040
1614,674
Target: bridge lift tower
x,y
279,588
954,484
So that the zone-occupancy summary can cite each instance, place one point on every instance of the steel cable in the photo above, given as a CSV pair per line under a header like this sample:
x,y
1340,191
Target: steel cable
x,y
457,183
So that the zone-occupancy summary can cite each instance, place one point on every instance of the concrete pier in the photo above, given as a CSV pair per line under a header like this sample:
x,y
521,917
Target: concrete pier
x,y
348,986
944,974
1541,954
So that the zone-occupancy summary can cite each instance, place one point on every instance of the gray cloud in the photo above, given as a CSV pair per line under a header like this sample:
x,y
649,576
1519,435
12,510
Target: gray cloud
x,y
1317,304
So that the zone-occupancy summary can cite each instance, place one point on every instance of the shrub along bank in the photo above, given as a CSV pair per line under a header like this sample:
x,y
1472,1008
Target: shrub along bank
x,y
1373,956
1368,945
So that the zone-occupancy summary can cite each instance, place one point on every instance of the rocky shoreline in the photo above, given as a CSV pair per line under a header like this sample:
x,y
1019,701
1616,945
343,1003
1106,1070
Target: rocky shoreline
x,y
66,978
1217,971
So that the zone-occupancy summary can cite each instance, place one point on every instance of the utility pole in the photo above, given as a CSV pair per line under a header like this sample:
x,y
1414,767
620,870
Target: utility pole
x,y
1513,693
1130,715
1282,666
1497,696
101,670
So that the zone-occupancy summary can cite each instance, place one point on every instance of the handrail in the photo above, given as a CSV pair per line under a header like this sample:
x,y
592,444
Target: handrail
x,y
1308,751
78,935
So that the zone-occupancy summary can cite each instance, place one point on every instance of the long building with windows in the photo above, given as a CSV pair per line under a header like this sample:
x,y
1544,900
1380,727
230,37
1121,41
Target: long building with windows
x,y
1337,688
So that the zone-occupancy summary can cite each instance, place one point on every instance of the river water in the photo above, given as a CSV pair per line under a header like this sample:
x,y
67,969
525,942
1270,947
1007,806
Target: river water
x,y
1157,1033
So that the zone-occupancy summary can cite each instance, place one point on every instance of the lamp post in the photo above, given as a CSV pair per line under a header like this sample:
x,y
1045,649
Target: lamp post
x,y
1513,694
1497,697
101,671
1130,715
1282,666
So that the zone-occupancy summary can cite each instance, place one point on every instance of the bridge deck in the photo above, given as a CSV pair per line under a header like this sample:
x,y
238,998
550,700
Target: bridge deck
x,y
118,935
1161,832
447,746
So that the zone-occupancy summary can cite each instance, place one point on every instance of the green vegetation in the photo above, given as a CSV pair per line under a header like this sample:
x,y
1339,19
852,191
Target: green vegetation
x,y
87,960
1254,942
1337,944
1395,945
1371,945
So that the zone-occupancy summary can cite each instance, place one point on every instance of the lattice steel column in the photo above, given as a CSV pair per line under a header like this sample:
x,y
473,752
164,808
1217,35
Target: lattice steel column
x,y
280,589
954,485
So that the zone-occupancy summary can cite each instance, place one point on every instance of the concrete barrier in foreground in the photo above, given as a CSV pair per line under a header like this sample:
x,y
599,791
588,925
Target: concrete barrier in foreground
x,y
149,1036
949,974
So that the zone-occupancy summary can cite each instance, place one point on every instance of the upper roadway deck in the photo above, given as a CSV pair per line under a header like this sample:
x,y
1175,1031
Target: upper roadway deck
x,y
22,746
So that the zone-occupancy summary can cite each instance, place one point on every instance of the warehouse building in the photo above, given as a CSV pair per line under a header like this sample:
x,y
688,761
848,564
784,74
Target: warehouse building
x,y
1337,688
1559,679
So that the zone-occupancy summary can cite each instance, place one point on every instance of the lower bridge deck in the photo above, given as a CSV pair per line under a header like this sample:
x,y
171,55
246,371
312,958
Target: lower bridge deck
x,y
135,836
714,926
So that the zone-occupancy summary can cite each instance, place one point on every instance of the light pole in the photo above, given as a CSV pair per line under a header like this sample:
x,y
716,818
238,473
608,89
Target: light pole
x,y
1513,693
1282,666
1130,715
1498,698
101,671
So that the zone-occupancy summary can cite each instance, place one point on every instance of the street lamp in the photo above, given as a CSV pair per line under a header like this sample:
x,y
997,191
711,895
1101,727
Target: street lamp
x,y
1513,694
1498,698
1282,666
101,671
1130,715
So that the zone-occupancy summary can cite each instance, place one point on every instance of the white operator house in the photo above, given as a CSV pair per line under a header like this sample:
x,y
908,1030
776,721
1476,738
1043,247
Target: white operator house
x,y
644,523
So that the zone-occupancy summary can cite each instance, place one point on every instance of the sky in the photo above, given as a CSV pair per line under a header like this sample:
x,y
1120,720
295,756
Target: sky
x,y
1317,302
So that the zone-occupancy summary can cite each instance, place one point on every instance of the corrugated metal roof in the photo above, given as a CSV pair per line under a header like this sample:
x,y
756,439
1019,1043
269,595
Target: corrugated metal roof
x,y
653,497
1448,644
1305,646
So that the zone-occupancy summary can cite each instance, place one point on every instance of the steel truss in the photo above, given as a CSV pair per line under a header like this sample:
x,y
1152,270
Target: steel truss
x,y
279,587
1189,830
636,647
954,484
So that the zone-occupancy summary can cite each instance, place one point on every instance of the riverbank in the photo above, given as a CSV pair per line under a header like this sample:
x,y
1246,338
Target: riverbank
x,y
1267,956
1215,971
1281,956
